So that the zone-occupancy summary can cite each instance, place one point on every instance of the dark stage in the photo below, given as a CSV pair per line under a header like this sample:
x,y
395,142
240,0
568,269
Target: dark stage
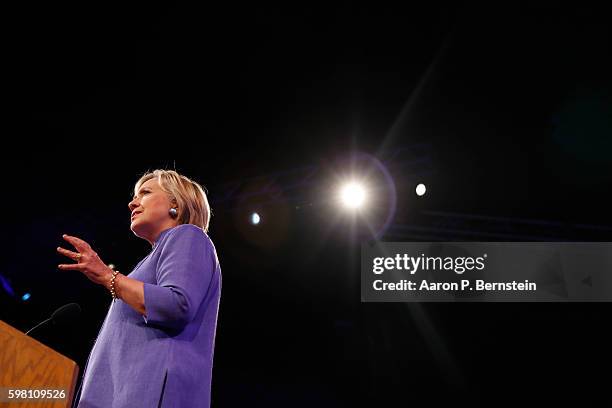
x,y
504,113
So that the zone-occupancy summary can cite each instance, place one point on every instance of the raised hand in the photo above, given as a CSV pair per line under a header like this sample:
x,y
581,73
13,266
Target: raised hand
x,y
87,261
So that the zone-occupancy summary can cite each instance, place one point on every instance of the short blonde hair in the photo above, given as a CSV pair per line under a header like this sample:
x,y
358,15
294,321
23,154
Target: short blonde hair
x,y
189,196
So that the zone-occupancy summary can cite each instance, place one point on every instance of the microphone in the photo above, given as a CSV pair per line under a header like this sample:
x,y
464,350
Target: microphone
x,y
62,315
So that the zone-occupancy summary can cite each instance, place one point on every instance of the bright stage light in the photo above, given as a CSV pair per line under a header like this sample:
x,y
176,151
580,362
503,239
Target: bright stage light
x,y
421,189
25,296
255,218
353,195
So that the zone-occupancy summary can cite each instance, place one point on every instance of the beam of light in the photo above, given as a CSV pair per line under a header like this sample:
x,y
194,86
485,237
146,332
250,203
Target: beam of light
x,y
353,195
407,115
255,218
421,189
25,296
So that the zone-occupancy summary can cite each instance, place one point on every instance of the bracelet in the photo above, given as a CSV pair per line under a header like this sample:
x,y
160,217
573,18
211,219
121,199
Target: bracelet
x,y
112,285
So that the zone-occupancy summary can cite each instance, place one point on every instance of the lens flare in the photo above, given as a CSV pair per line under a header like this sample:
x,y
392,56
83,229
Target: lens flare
x,y
353,195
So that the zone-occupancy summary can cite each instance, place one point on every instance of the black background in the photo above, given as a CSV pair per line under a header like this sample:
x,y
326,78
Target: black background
x,y
514,101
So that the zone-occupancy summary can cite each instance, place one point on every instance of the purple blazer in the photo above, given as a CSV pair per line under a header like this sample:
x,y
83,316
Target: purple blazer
x,y
164,359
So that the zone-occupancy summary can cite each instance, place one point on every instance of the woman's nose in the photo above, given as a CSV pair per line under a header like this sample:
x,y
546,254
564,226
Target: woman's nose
x,y
133,204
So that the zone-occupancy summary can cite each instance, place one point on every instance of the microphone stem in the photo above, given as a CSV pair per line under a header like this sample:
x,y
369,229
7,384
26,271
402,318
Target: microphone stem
x,y
38,325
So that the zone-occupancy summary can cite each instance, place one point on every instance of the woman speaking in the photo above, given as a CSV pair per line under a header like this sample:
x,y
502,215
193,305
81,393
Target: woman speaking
x,y
155,347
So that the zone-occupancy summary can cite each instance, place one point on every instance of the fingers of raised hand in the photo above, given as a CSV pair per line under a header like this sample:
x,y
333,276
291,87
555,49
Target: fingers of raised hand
x,y
75,256
78,243
72,267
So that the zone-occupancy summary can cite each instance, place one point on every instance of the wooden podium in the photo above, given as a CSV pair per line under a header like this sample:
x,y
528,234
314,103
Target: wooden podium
x,y
26,364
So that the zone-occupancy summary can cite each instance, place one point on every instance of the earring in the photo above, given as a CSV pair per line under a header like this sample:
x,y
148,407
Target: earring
x,y
173,212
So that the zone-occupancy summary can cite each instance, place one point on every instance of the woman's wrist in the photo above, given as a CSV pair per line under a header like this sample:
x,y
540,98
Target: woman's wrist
x,y
107,280
117,287
111,282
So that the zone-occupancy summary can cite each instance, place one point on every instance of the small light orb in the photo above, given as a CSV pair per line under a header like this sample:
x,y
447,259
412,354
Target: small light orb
x,y
421,189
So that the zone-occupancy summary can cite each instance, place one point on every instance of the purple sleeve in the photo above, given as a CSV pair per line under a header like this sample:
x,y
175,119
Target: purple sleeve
x,y
184,273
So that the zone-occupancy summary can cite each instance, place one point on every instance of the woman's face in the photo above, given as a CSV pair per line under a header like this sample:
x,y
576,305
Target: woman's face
x,y
150,211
